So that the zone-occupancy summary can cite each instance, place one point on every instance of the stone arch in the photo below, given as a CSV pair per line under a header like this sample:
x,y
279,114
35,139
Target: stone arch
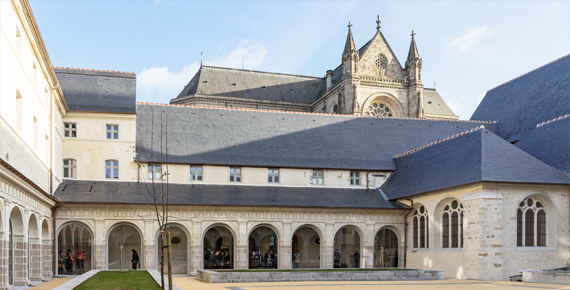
x,y
264,244
231,227
46,250
552,216
211,260
180,265
270,225
393,103
17,220
33,228
17,249
125,236
348,243
359,229
77,237
438,224
34,250
302,241
398,247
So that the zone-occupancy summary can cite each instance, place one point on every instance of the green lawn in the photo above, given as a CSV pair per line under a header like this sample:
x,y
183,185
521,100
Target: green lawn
x,y
114,280
317,270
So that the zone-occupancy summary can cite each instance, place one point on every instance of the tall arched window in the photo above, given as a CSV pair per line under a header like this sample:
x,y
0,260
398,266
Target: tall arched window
x,y
112,169
452,225
420,227
531,224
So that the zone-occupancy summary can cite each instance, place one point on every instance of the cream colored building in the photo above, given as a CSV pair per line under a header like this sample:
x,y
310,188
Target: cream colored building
x,y
365,161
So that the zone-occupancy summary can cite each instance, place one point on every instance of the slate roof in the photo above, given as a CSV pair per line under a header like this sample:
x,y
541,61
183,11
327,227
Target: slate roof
x,y
114,192
98,91
434,104
219,136
550,143
532,98
248,84
472,157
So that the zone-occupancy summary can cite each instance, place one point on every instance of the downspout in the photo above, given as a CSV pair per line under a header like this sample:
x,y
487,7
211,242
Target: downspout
x,y
54,230
51,143
367,181
406,232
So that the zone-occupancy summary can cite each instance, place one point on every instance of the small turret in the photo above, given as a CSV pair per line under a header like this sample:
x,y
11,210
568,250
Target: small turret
x,y
350,56
414,64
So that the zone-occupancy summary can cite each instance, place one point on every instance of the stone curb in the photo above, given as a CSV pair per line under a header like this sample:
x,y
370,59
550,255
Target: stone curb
x,y
156,276
70,285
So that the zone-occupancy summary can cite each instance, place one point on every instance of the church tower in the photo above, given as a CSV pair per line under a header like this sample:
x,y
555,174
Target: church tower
x,y
350,57
413,71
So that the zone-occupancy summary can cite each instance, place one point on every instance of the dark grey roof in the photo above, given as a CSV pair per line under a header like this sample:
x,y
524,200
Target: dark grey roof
x,y
247,84
473,157
98,91
220,136
550,143
113,192
434,103
532,98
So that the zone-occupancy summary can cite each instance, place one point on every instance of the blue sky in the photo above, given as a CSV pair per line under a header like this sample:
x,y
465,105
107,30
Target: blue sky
x,y
467,47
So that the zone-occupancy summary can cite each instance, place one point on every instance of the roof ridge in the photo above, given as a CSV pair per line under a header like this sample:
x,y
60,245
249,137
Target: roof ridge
x,y
98,70
262,72
553,120
311,113
441,141
529,72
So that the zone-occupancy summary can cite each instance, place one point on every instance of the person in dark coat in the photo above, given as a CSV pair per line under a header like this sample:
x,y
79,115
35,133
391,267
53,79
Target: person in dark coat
x,y
336,258
355,259
259,260
69,262
135,259
211,260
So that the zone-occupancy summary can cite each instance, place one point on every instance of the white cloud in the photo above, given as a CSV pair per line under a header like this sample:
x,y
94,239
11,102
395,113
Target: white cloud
x,y
160,84
470,41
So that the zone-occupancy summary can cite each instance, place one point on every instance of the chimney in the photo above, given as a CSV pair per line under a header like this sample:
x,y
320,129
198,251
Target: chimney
x,y
329,79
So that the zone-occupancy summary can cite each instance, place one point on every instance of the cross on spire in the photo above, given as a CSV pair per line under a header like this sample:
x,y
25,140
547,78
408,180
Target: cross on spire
x,y
378,22
349,25
413,34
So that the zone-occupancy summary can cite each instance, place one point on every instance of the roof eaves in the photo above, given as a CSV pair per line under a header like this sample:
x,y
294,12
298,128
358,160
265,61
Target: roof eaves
x,y
261,72
552,120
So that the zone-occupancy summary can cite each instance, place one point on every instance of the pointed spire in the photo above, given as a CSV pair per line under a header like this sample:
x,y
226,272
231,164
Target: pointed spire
x,y
349,47
413,53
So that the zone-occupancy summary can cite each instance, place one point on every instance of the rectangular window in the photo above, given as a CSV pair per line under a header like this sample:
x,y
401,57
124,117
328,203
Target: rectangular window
x,y
317,177
196,172
112,169
235,174
273,175
355,178
69,168
154,172
113,132
70,130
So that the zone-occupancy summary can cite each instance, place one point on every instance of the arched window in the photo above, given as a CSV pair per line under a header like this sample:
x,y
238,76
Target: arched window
x,y
452,225
531,224
381,64
420,227
380,109
69,168
112,169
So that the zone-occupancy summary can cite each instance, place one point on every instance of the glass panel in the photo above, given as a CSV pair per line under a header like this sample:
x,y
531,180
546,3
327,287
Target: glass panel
x,y
116,135
454,229
231,178
445,231
66,172
199,169
306,249
386,249
108,173
200,177
422,232
129,238
541,228
73,134
73,173
116,173
529,228
238,178
519,228
415,232
263,249
276,179
74,238
218,248
347,246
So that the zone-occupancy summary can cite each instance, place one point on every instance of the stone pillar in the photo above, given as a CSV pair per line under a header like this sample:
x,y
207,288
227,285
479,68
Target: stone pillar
x,y
21,261
241,246
148,256
35,260
47,260
368,247
327,245
483,236
4,267
285,255
196,256
99,255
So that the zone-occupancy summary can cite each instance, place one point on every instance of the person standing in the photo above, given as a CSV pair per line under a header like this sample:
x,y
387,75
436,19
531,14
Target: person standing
x,y
336,258
69,262
296,260
60,259
80,260
259,260
135,259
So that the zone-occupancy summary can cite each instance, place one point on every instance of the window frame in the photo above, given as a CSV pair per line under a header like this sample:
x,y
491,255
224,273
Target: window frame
x,y
112,167
114,131
235,174
454,218
317,177
272,177
72,168
198,175
152,172
539,229
354,178
417,236
68,130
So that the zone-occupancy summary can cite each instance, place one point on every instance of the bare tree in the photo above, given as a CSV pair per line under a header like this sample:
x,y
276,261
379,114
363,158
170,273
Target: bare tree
x,y
118,235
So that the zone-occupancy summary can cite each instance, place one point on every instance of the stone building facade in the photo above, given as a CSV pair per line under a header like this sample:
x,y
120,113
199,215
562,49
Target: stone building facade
x,y
364,168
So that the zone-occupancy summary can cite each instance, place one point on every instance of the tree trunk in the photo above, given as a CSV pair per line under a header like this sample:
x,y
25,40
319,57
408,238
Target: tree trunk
x,y
161,237
121,258
169,260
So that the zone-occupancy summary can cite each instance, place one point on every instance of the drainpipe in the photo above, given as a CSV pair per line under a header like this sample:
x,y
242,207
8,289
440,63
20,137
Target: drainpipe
x,y
54,239
406,232
367,181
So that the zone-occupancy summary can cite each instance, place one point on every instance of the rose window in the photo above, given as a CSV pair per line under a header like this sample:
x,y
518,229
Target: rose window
x,y
381,61
378,109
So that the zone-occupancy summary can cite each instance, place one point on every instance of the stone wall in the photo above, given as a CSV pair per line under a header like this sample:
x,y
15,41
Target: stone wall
x,y
547,277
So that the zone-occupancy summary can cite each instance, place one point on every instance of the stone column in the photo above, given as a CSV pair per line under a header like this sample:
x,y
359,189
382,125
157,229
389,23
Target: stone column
x,y
285,255
99,255
21,261
483,236
4,267
47,260
35,260
196,251
368,247
241,246
327,245
148,245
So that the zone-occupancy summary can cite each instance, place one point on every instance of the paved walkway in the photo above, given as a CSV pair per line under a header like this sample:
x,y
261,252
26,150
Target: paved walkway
x,y
53,283
451,284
